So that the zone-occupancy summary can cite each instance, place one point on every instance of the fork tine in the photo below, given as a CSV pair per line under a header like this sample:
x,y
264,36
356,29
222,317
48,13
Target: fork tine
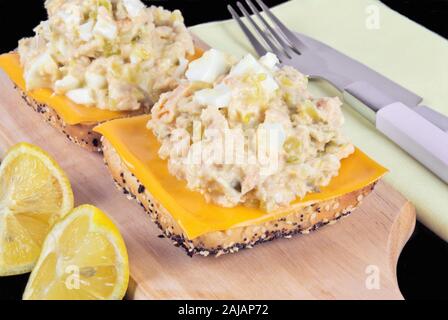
x,y
274,34
292,38
268,41
252,39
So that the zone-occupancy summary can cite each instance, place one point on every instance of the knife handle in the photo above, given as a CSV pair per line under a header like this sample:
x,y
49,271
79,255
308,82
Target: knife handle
x,y
375,100
435,117
417,136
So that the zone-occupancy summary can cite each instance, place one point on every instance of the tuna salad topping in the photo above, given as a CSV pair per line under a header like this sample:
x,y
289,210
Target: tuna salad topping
x,y
110,54
249,132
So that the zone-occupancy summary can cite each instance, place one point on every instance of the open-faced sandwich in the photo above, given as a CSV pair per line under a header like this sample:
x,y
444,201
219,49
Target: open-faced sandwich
x,y
97,60
238,154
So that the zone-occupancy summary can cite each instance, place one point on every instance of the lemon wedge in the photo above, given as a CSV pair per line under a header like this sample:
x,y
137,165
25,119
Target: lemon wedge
x,y
34,194
83,257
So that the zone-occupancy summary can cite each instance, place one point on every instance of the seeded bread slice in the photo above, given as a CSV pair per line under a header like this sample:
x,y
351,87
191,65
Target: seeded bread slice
x,y
232,240
81,134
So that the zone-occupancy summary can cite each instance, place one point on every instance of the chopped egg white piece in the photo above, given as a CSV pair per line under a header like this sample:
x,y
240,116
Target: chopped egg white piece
x,y
183,64
133,7
250,65
81,96
269,84
61,46
247,64
278,197
270,61
209,67
37,75
71,15
85,31
105,26
67,83
95,81
218,97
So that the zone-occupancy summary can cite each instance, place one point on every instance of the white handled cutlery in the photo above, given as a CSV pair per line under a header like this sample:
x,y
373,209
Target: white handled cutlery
x,y
420,131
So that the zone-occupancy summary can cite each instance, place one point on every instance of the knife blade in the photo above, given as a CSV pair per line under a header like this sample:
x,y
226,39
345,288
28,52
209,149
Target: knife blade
x,y
356,71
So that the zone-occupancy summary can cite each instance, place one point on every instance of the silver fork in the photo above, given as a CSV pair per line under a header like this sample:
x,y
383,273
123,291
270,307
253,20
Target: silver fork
x,y
280,40
419,130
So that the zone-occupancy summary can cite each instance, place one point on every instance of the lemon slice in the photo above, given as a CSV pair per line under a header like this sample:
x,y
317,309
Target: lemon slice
x,y
34,194
83,257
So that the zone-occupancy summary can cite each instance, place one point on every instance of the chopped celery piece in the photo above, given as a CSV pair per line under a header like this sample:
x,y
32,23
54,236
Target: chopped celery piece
x,y
106,4
292,147
285,81
310,109
109,49
247,117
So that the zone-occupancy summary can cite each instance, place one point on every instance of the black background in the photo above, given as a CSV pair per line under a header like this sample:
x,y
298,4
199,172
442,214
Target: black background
x,y
423,265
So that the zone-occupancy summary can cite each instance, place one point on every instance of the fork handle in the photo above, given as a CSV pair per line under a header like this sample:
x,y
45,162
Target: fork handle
x,y
416,135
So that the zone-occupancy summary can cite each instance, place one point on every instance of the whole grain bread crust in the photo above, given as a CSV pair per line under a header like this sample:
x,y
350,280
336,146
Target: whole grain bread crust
x,y
303,221
80,134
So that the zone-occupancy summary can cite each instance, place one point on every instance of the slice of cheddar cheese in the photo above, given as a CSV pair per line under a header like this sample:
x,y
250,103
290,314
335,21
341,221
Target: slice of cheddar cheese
x,y
138,148
69,111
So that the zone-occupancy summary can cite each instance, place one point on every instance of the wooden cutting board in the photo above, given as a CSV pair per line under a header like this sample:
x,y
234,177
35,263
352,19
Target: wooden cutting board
x,y
353,259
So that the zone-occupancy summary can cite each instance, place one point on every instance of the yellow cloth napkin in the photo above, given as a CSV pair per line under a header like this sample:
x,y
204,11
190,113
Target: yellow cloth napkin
x,y
399,49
